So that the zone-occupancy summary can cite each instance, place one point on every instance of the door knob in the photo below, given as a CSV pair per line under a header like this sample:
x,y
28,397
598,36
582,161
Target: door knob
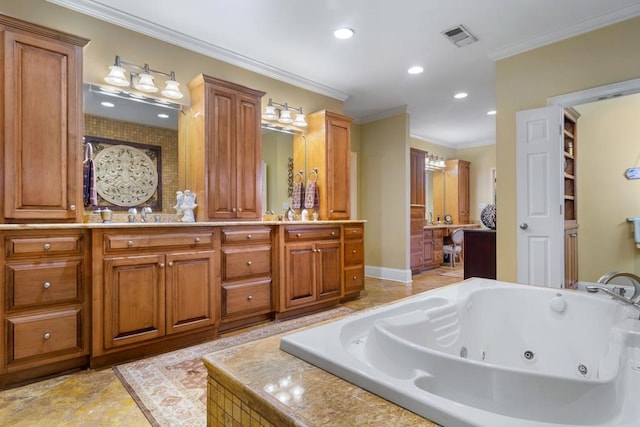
x,y
524,226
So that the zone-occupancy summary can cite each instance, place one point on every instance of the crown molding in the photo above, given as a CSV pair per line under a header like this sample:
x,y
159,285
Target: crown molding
x,y
382,114
565,33
470,144
148,28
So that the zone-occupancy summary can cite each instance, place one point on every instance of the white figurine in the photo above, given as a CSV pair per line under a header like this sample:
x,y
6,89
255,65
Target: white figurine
x,y
188,205
178,206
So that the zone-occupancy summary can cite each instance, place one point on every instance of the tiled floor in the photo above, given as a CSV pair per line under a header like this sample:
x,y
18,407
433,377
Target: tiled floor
x,y
97,398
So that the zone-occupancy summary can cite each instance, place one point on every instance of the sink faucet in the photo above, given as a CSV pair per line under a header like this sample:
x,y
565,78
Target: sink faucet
x,y
634,300
144,212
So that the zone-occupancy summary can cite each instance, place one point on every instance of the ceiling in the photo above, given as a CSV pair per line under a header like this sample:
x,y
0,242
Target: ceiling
x,y
293,41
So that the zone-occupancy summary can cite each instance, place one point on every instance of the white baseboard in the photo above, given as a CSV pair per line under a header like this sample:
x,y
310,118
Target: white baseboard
x,y
385,273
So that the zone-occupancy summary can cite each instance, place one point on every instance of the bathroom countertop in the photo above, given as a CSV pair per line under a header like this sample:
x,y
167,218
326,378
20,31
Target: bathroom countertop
x,y
430,226
262,380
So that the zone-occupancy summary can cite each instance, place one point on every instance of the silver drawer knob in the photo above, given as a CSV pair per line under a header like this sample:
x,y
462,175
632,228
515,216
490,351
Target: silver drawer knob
x,y
353,251
130,243
46,246
249,262
297,234
161,265
333,233
197,239
249,236
46,336
72,207
46,285
250,298
355,277
170,264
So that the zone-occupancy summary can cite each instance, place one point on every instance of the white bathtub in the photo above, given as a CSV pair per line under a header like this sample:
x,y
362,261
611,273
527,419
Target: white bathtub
x,y
488,353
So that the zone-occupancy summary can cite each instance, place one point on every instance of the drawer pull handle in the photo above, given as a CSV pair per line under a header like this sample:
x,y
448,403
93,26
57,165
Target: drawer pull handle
x,y
72,207
249,262
249,236
353,251
46,335
354,231
297,234
331,211
130,243
170,264
46,246
333,233
355,277
46,285
250,298
197,239
161,265
239,209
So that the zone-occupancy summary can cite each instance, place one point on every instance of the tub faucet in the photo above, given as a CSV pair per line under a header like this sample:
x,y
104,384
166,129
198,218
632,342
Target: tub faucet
x,y
144,212
634,300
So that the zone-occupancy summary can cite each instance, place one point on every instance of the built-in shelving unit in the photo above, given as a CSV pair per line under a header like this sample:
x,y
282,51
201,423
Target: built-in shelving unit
x,y
570,153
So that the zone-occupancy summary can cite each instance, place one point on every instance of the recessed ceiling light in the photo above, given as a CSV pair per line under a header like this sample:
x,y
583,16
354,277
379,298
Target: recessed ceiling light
x,y
107,104
415,69
163,116
491,113
343,33
460,95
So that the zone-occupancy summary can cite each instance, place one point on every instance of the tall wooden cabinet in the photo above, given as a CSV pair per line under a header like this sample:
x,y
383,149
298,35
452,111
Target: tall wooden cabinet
x,y
220,142
417,176
570,152
451,192
42,123
326,148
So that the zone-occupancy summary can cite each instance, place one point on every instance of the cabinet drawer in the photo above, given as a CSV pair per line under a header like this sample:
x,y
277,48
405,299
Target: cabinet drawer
x,y
311,233
168,240
240,262
354,279
43,246
437,233
247,297
437,244
43,334
246,235
33,284
353,252
428,234
353,232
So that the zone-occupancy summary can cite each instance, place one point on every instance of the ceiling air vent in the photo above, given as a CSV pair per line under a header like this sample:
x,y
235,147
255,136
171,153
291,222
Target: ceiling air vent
x,y
460,36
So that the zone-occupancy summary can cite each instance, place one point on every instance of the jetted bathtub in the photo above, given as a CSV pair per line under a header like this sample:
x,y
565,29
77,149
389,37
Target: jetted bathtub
x,y
489,353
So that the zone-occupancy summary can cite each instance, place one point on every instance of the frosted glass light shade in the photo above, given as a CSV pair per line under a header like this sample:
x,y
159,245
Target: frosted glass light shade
x,y
145,84
270,113
285,117
172,90
117,76
300,121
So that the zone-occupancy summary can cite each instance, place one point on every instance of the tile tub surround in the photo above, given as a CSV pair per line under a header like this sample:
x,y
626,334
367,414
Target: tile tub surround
x,y
259,384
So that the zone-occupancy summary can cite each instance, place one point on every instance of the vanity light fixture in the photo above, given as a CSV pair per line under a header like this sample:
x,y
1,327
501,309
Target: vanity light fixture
x,y
284,116
433,163
143,81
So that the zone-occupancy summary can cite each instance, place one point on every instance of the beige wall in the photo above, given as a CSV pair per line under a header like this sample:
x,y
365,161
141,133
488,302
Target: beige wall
x,y
608,144
525,81
384,192
277,148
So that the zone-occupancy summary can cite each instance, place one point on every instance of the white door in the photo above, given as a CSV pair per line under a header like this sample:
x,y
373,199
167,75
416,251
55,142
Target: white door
x,y
539,189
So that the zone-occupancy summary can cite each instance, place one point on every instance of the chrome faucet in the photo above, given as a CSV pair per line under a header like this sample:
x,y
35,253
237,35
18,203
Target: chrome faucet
x,y
634,300
144,212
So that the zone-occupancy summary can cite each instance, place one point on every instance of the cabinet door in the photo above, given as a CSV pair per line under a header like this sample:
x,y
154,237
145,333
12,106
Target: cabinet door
x,y
300,288
134,299
338,168
191,300
41,167
571,258
221,160
463,192
418,178
328,270
249,159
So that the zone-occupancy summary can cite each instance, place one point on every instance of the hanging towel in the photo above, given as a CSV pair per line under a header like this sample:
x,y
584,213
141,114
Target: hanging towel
x,y
311,197
297,195
90,196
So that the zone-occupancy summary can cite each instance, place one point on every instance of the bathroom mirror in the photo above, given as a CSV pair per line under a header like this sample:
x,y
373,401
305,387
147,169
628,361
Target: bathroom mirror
x,y
277,171
113,116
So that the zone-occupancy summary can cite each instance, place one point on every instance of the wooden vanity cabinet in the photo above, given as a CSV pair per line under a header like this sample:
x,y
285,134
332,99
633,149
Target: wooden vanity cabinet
x,y
417,176
46,303
353,237
310,268
326,147
153,290
41,140
221,142
246,291
416,238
